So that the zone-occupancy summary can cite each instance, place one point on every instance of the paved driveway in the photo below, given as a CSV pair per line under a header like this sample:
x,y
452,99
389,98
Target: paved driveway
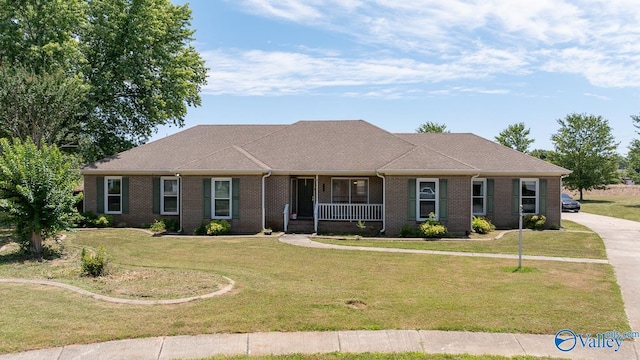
x,y
622,240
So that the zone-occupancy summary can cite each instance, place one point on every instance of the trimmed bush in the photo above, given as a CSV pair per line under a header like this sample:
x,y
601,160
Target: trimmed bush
x,y
103,221
200,230
94,262
432,229
407,231
158,226
218,227
172,225
482,225
534,221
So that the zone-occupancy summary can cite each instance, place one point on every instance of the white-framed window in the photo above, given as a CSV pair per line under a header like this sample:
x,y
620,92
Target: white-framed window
x,y
479,196
221,198
529,191
169,195
113,195
427,196
350,190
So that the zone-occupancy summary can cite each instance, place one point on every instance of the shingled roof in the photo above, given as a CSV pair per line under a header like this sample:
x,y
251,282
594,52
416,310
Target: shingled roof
x,y
352,147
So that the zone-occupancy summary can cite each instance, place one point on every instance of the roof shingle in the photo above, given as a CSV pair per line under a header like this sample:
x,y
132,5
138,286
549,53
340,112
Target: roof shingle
x,y
320,147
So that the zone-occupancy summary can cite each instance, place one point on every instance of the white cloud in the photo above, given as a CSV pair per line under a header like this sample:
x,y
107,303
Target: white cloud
x,y
260,73
431,41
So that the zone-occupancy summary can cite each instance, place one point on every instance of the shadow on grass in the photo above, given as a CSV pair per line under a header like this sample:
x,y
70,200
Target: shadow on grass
x,y
587,201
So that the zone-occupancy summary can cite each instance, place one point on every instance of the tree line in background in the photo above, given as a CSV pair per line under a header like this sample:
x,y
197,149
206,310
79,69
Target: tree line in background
x,y
81,80
583,144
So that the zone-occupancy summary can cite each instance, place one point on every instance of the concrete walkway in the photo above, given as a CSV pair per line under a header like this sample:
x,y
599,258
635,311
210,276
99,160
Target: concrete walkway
x,y
432,342
303,240
621,237
622,240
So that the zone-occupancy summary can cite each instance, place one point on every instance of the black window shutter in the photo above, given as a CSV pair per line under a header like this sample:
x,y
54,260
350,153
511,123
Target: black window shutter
x,y
515,196
100,194
235,198
156,195
444,208
125,195
206,198
411,195
542,197
489,197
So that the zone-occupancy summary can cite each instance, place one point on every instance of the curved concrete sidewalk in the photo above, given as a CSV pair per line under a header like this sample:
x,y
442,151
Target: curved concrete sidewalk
x,y
622,241
303,240
119,300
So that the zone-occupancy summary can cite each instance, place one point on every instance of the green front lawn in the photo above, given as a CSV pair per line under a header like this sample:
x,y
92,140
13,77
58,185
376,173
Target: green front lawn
x,y
618,206
280,287
583,244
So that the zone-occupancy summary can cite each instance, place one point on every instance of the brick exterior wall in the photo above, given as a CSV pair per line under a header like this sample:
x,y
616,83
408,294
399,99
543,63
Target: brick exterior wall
x,y
278,194
504,218
141,203
458,200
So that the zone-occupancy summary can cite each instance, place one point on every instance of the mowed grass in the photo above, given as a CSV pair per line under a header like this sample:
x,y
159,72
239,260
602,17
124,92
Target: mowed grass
x,y
582,244
618,206
281,287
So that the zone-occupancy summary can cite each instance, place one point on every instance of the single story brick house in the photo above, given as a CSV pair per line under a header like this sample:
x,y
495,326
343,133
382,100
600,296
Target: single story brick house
x,y
321,176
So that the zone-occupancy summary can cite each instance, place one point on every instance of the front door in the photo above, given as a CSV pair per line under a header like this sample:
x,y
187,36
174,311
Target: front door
x,y
305,198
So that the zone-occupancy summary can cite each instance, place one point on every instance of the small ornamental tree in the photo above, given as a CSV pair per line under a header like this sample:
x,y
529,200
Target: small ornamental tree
x,y
37,188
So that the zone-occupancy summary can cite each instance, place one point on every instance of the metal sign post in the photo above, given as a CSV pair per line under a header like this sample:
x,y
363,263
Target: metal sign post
x,y
520,240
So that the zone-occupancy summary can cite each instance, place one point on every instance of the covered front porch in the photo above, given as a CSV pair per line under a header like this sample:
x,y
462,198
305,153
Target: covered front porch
x,y
336,199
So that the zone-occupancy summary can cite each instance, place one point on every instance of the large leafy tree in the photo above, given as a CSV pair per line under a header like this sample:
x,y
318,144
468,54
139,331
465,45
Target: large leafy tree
x,y
432,127
515,136
633,156
36,188
585,145
134,56
40,106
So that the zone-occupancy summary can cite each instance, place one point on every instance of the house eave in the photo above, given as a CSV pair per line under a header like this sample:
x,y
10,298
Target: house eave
x,y
172,172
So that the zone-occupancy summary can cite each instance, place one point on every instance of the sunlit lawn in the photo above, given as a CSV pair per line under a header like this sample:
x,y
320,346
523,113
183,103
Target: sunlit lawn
x,y
582,244
619,206
281,287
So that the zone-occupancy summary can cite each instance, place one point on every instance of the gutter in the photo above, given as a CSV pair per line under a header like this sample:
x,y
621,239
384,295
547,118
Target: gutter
x,y
264,211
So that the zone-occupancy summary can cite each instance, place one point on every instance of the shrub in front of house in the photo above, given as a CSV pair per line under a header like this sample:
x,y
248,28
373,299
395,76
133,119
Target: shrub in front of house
x,y
218,227
482,225
94,262
432,229
158,226
534,221
408,231
103,221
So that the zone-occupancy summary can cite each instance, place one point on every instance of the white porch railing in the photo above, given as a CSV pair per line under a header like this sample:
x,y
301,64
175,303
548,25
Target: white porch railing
x,y
349,212
286,217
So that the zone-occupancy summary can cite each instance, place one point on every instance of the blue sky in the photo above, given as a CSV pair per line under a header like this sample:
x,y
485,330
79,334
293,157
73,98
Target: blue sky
x,y
475,65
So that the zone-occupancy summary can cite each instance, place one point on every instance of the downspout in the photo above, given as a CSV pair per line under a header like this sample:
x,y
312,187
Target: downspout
x,y
264,211
180,195
471,207
384,202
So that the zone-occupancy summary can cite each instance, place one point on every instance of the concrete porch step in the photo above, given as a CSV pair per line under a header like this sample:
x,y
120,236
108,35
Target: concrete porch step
x,y
300,227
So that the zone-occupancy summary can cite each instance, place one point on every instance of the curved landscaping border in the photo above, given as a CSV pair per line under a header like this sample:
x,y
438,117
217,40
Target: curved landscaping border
x,y
118,300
